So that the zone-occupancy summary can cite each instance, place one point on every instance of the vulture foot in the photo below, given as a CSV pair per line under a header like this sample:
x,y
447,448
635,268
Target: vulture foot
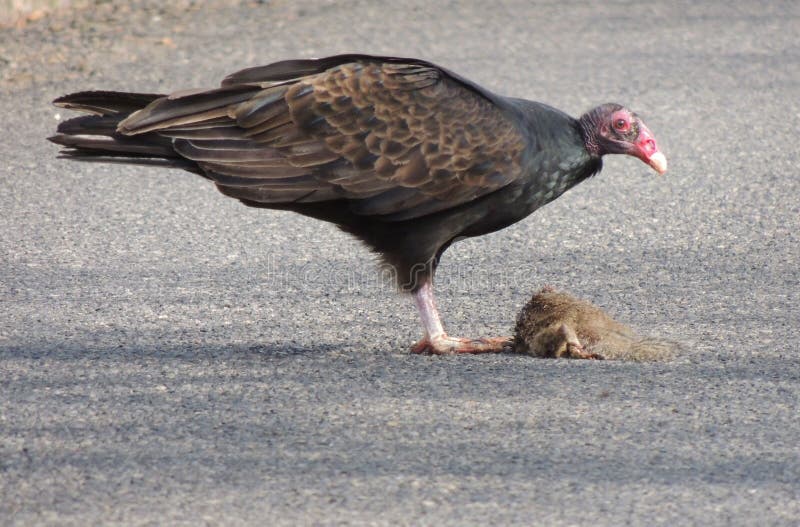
x,y
444,345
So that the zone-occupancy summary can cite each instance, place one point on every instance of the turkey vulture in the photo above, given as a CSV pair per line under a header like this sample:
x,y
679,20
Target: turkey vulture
x,y
403,154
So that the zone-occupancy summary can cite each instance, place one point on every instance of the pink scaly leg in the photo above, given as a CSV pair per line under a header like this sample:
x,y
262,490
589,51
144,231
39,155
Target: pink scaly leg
x,y
436,340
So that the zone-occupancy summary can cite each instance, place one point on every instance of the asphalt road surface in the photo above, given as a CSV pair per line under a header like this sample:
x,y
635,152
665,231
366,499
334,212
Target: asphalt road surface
x,y
168,356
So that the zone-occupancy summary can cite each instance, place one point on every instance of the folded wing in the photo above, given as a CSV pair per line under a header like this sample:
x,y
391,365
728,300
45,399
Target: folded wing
x,y
395,138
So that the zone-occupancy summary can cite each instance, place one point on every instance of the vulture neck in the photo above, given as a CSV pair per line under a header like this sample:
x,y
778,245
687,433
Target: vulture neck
x,y
589,124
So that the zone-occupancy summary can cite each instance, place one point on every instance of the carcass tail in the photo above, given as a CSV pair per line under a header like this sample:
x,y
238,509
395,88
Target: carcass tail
x,y
96,137
627,347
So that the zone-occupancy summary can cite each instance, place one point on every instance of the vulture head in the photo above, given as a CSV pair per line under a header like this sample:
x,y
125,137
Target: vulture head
x,y
614,129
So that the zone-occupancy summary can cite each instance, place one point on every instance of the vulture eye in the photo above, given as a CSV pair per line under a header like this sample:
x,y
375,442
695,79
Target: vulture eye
x,y
622,125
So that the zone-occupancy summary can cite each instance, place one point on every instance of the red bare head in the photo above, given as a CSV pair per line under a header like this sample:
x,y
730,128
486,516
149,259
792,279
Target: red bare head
x,y
613,129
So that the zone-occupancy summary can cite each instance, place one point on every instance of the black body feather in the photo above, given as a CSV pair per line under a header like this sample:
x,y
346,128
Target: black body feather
x,y
403,154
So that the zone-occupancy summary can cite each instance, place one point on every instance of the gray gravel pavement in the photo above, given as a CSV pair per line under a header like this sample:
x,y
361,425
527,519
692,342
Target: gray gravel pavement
x,y
170,357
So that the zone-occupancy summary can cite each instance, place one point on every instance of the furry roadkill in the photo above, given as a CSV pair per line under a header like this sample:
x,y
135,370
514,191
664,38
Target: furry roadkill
x,y
555,324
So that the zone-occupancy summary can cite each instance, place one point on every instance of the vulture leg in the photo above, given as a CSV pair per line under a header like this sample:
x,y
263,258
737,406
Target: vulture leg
x,y
436,340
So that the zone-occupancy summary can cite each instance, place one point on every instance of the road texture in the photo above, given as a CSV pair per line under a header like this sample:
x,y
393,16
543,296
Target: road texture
x,y
170,357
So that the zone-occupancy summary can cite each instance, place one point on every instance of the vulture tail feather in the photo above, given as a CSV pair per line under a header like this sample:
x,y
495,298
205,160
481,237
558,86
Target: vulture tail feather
x,y
95,137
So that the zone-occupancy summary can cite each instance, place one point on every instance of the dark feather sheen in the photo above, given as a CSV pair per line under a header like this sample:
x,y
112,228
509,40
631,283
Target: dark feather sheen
x,y
403,154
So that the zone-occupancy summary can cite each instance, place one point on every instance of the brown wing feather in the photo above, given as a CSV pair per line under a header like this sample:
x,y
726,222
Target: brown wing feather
x,y
397,140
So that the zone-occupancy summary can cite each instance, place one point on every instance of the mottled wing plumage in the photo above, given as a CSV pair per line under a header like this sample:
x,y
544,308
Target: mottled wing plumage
x,y
395,139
